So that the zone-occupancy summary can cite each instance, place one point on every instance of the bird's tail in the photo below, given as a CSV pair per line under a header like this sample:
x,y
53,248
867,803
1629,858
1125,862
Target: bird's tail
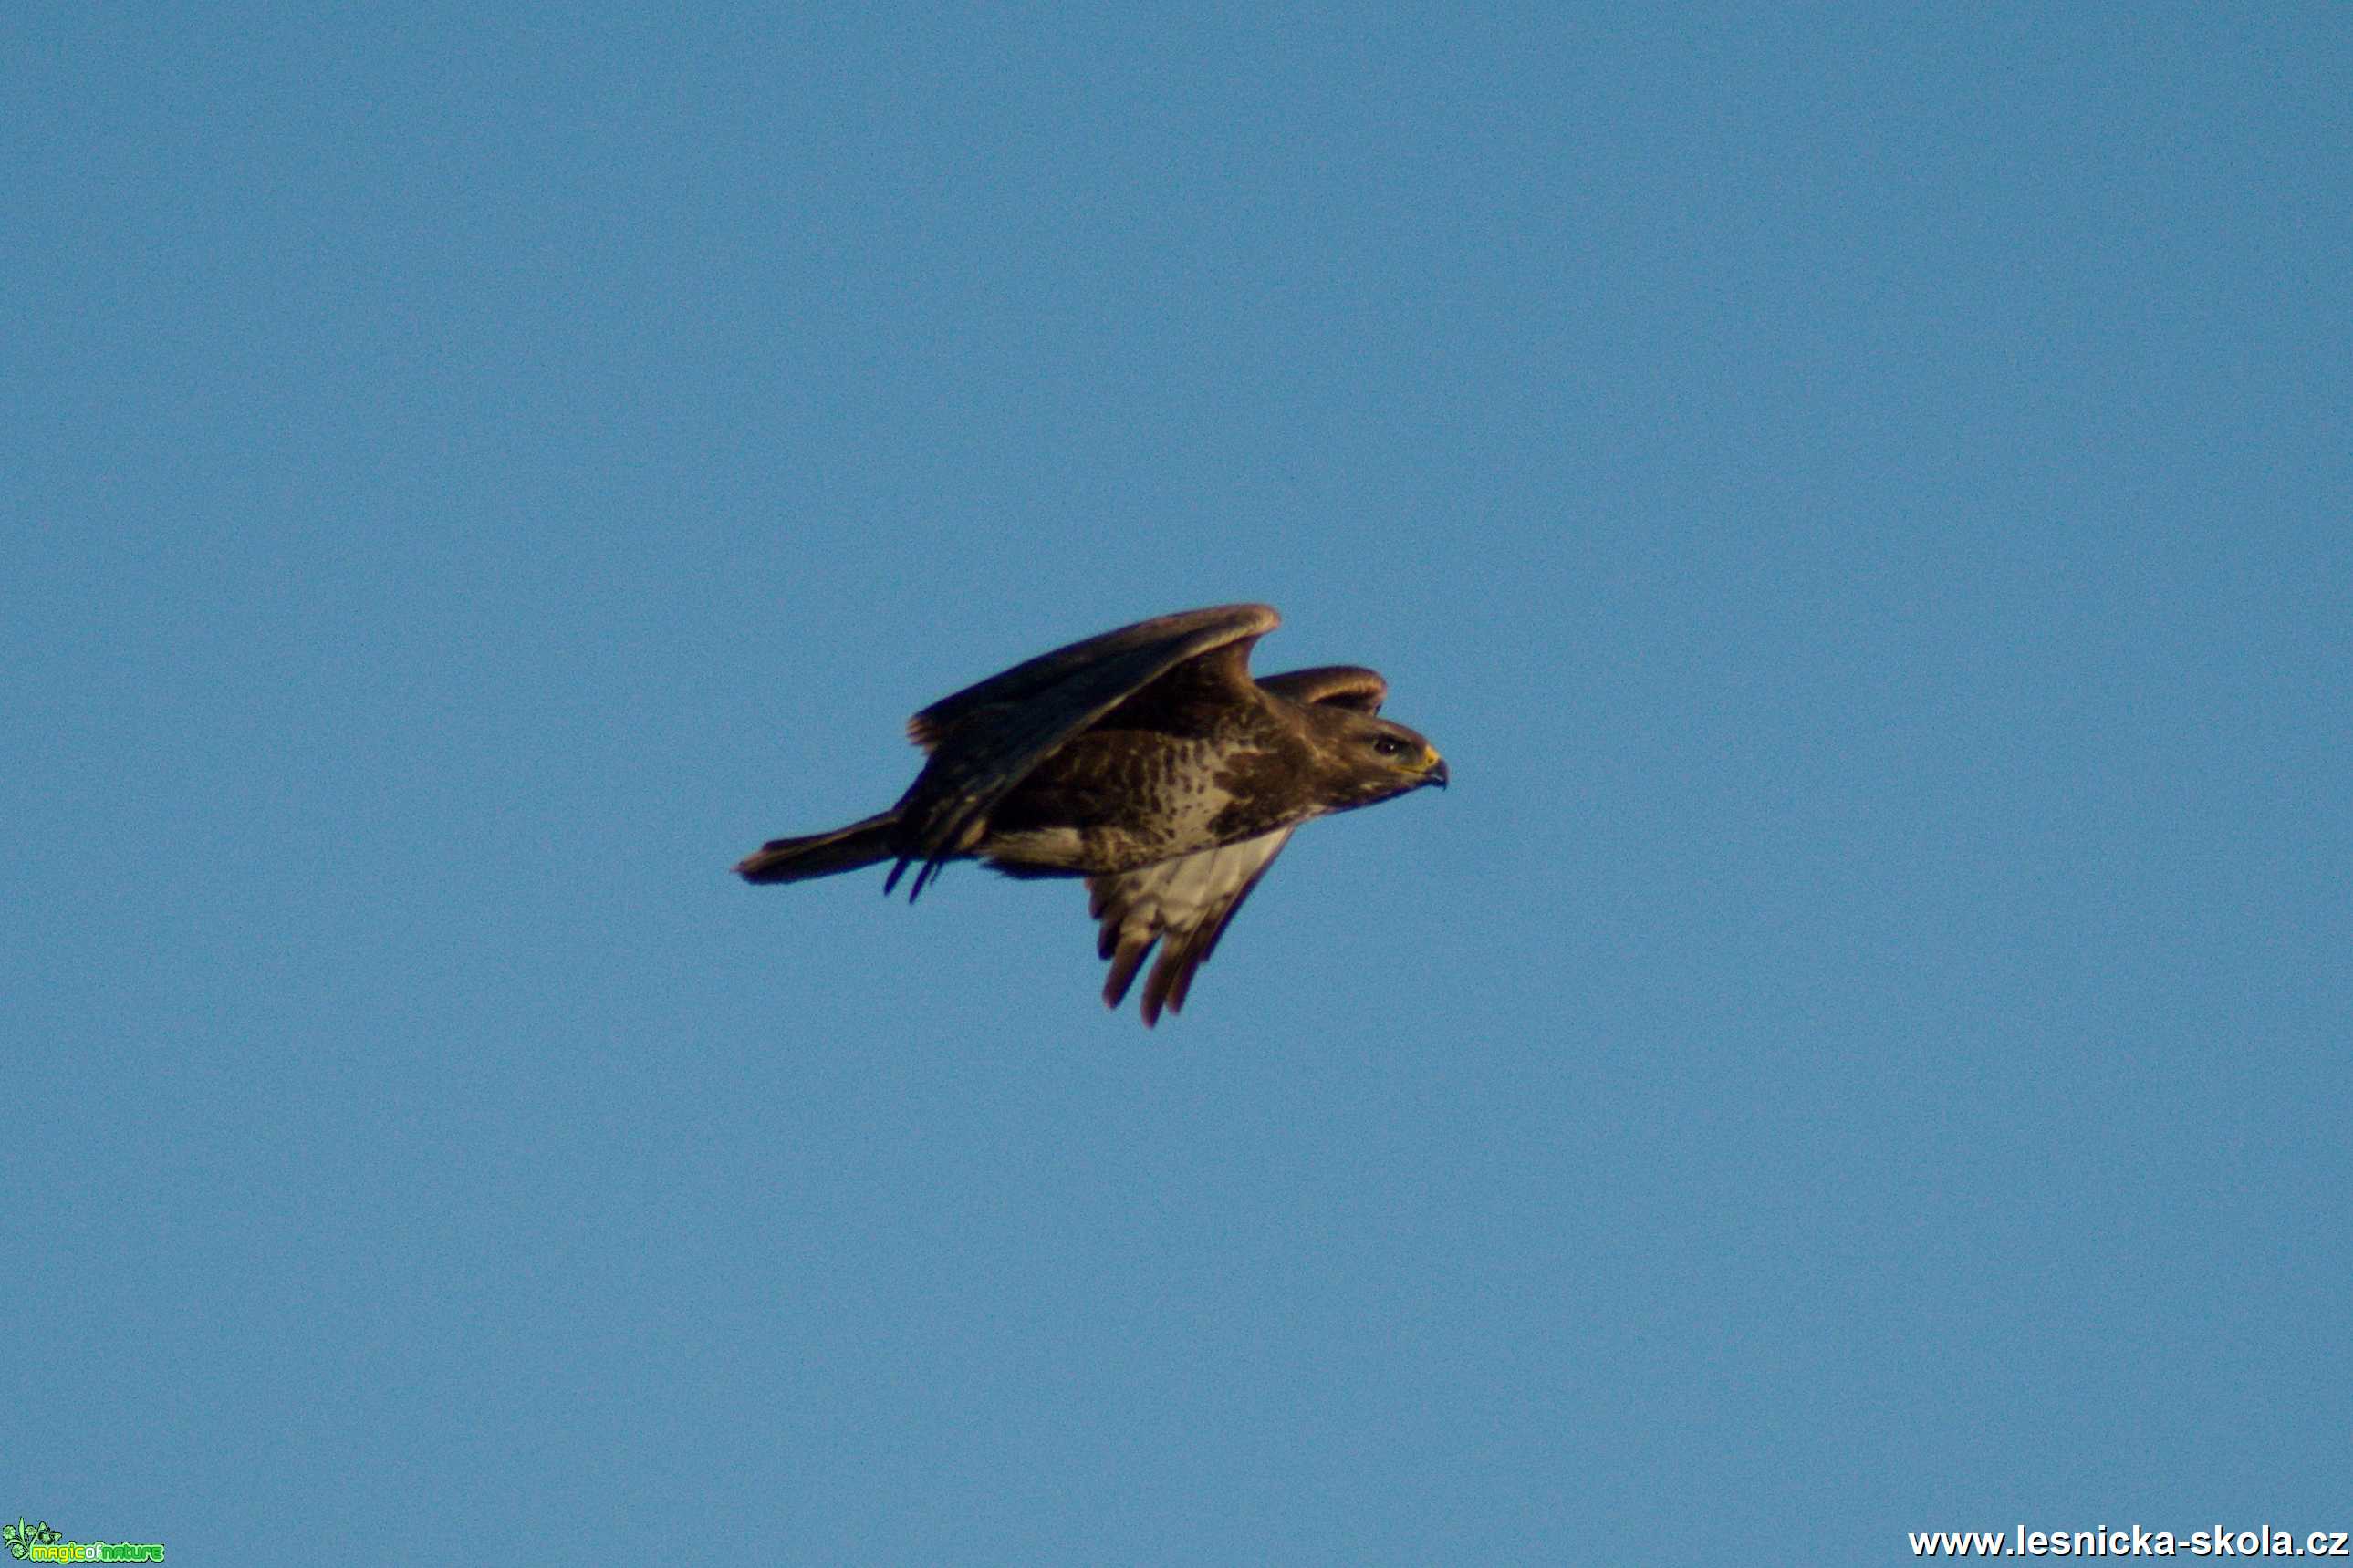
x,y
824,854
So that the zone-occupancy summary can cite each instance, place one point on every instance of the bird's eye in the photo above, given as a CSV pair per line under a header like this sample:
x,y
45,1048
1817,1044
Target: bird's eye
x,y
1387,745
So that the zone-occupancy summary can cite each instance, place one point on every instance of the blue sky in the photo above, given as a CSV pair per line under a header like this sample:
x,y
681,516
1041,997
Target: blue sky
x,y
1860,495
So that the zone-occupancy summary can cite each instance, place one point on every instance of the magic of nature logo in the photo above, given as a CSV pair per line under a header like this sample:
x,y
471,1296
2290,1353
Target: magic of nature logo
x,y
41,1544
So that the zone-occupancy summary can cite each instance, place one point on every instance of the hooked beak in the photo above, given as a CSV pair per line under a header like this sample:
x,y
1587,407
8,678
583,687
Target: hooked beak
x,y
1436,773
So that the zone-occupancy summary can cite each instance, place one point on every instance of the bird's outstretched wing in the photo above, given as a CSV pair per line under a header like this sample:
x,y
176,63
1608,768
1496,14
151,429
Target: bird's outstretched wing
x,y
1185,904
1182,904
986,738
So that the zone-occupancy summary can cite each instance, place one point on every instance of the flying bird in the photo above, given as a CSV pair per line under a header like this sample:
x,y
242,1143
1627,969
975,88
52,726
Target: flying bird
x,y
1148,760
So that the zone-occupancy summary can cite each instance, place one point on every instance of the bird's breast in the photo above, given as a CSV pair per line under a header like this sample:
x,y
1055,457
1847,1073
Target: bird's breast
x,y
1114,800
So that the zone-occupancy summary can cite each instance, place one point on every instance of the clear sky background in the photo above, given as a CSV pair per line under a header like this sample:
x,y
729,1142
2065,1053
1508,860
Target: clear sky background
x,y
1861,496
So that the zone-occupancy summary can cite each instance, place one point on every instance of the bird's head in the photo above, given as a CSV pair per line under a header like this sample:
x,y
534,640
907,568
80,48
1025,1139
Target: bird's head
x,y
1376,758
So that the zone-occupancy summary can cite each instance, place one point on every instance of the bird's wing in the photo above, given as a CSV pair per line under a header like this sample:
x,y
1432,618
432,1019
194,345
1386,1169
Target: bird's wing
x,y
1186,903
986,738
1339,685
1154,645
1183,904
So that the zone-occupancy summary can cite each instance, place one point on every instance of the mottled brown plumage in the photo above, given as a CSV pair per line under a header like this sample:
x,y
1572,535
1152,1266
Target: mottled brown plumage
x,y
1147,760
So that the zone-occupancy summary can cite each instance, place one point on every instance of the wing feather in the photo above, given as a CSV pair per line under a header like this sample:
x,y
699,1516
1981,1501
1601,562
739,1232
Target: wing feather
x,y
1036,677
1183,905
1337,685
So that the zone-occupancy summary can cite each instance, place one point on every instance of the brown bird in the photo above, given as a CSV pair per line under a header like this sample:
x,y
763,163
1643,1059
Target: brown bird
x,y
1147,760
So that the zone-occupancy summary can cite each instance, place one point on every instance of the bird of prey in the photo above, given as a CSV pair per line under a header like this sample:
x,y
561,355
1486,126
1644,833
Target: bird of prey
x,y
1147,760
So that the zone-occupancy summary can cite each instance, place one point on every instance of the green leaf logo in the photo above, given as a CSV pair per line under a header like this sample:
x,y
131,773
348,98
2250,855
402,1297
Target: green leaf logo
x,y
22,1537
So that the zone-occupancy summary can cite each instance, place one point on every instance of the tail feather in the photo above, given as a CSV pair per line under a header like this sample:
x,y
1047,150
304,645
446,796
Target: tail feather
x,y
824,854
